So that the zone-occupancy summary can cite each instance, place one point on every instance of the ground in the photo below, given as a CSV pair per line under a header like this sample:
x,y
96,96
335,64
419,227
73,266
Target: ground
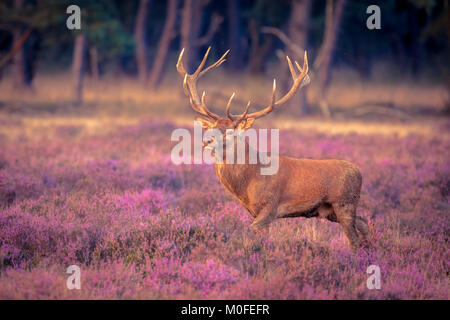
x,y
93,185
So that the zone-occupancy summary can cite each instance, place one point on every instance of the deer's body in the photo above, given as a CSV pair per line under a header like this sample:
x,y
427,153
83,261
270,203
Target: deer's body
x,y
327,189
301,188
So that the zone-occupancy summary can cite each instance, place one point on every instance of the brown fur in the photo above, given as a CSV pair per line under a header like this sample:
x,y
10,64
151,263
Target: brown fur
x,y
301,188
327,189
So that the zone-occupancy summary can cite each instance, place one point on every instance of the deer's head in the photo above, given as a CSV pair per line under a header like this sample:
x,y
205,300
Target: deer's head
x,y
244,121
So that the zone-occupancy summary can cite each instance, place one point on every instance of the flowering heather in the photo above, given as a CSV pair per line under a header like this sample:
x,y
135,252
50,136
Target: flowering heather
x,y
140,227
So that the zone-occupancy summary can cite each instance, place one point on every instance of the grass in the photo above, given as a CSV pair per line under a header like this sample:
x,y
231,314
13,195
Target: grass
x,y
94,186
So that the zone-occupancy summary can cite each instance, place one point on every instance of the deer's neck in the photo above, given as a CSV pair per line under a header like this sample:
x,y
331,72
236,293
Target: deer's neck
x,y
236,177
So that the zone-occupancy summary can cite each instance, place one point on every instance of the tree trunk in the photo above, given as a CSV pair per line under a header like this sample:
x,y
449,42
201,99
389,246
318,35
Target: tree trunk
x,y
164,43
17,45
298,33
139,37
325,56
21,76
414,47
186,33
236,61
21,67
78,67
257,51
93,62
332,24
363,65
299,23
191,22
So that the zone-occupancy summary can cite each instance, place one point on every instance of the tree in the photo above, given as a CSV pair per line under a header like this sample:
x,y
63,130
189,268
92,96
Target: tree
x,y
24,21
298,33
164,43
21,64
191,24
323,61
236,60
263,12
258,50
93,63
17,45
78,66
103,34
139,37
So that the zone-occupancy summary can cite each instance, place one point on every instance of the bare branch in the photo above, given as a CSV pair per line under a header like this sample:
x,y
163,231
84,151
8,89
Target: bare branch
x,y
19,44
216,20
285,39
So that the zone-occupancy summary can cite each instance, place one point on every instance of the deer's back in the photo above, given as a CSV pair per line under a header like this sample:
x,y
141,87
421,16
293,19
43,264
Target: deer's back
x,y
326,180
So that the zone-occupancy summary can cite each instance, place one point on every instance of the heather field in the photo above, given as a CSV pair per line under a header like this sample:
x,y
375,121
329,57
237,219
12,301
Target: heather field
x,y
94,186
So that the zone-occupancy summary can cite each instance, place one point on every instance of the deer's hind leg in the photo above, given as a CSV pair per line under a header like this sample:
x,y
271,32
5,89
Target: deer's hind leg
x,y
264,217
326,211
346,216
363,228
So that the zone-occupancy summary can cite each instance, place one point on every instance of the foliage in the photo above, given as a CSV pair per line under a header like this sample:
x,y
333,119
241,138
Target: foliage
x,y
116,206
412,31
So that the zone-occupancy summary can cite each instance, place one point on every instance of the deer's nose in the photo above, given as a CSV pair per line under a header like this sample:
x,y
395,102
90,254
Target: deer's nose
x,y
207,144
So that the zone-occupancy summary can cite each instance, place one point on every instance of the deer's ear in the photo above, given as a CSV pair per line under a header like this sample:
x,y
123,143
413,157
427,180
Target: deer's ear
x,y
205,123
246,124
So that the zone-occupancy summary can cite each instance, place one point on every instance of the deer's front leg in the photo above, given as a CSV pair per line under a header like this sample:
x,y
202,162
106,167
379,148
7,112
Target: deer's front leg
x,y
265,216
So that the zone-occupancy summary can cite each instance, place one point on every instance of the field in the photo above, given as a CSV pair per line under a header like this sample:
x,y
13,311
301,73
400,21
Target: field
x,y
94,186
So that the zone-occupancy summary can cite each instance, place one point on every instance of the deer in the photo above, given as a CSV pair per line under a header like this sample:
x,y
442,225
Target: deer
x,y
327,188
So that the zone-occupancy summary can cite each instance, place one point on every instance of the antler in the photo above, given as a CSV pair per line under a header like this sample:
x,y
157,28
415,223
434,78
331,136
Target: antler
x,y
199,105
190,84
299,81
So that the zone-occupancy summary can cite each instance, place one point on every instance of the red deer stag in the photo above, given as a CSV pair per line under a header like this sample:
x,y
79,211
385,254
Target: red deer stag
x,y
302,187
